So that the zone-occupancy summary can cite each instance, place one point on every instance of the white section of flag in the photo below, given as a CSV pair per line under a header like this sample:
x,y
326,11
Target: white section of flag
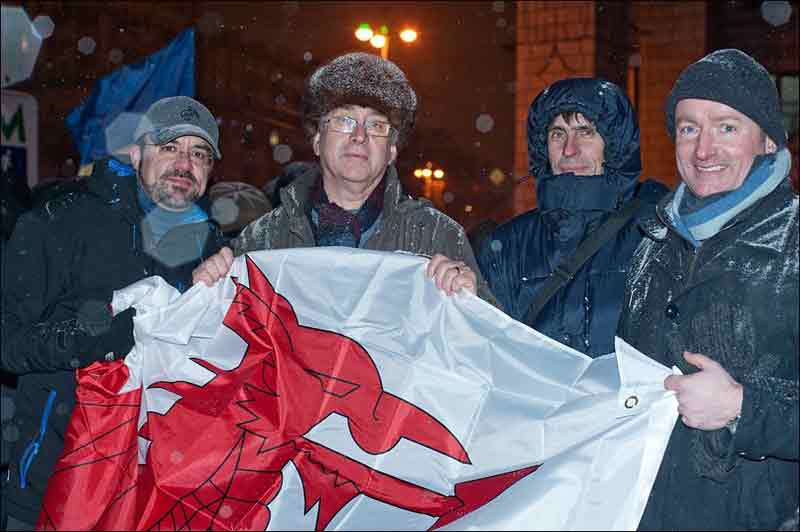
x,y
511,396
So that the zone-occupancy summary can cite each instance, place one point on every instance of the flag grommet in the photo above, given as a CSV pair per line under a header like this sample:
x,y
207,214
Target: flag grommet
x,y
631,401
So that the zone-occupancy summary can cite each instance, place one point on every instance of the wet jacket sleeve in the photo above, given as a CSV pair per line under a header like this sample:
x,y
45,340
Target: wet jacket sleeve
x,y
43,329
501,258
492,267
484,291
768,425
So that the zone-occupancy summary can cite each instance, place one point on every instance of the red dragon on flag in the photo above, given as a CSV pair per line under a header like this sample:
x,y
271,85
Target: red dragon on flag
x,y
196,476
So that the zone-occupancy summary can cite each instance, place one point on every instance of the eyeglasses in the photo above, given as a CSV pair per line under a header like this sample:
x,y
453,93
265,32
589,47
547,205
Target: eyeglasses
x,y
346,124
169,152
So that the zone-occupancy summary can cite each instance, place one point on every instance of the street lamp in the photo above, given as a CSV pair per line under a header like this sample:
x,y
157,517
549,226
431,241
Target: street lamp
x,y
380,39
363,32
433,182
428,172
408,35
382,42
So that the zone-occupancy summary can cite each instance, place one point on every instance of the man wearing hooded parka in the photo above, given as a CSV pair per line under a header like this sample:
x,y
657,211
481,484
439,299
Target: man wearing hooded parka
x,y
520,256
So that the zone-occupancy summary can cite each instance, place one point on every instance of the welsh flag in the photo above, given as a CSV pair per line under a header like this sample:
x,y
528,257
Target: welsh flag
x,y
332,388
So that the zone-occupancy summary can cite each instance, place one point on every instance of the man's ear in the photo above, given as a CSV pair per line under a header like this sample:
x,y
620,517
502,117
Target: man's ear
x,y
135,153
769,145
315,143
392,153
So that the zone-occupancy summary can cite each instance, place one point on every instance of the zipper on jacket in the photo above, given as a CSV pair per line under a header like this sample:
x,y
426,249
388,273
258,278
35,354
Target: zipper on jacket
x,y
695,253
32,449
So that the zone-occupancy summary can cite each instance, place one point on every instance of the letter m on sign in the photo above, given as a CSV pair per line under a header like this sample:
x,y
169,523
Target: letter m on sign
x,y
16,123
19,135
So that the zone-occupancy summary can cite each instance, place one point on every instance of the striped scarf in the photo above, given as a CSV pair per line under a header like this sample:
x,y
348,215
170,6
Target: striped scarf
x,y
698,219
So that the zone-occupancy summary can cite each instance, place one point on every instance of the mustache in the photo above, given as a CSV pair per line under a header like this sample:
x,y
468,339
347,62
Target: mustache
x,y
186,174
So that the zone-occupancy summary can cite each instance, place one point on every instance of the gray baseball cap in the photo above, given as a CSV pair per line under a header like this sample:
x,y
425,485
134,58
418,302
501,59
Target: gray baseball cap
x,y
179,116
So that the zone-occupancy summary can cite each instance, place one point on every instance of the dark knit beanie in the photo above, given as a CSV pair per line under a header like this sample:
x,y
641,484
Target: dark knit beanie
x,y
733,78
361,79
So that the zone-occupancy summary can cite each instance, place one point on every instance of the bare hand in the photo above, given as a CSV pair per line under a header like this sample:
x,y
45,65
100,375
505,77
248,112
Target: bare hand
x,y
708,399
451,275
213,268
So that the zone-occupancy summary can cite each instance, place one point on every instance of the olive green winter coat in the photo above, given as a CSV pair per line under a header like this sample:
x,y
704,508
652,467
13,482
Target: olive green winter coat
x,y
406,224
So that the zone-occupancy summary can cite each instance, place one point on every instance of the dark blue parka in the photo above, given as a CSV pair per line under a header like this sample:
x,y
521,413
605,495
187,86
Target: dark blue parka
x,y
520,255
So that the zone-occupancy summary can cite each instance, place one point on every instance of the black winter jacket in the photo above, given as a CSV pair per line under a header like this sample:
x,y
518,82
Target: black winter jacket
x,y
60,269
734,299
520,255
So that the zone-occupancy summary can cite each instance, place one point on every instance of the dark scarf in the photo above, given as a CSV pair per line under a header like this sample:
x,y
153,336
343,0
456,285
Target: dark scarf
x,y
334,226
573,206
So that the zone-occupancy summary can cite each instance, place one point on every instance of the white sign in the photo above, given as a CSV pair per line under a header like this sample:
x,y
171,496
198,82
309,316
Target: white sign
x,y
19,132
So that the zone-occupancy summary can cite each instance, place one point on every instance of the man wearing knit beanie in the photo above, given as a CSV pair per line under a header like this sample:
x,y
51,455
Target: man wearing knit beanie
x,y
358,112
714,291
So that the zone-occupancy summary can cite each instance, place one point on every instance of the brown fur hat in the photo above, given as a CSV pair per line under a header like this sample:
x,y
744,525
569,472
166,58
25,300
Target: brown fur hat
x,y
360,79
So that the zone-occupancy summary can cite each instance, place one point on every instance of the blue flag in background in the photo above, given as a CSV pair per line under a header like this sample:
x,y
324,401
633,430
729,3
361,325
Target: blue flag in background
x,y
132,89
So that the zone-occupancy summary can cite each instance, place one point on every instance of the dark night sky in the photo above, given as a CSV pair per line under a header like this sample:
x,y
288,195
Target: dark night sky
x,y
462,68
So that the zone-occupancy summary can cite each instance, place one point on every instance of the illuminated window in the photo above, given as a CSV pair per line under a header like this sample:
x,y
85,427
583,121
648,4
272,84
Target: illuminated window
x,y
790,101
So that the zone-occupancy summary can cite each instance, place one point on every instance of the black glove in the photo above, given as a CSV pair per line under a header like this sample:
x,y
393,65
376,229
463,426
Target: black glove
x,y
89,337
117,338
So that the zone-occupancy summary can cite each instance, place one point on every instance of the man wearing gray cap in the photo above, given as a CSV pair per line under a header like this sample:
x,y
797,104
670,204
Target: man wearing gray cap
x,y
713,290
359,111
63,262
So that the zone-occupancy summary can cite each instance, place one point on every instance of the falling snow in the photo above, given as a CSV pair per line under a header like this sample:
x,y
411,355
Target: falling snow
x,y
484,123
43,26
86,45
116,56
10,433
497,177
21,45
282,154
776,13
224,211
7,408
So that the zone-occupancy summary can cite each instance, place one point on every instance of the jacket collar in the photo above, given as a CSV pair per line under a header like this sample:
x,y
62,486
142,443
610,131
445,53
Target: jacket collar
x,y
295,196
658,225
115,183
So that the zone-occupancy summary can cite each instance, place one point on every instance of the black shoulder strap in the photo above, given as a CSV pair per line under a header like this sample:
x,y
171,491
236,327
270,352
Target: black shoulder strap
x,y
566,271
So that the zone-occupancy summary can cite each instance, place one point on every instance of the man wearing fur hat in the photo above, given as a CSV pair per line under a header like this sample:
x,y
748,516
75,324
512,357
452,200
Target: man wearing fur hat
x,y
713,290
359,110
